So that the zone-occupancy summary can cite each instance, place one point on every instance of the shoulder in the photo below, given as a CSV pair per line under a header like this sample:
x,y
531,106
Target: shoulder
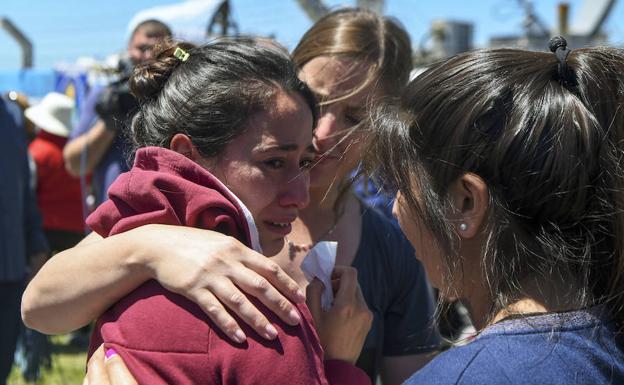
x,y
10,115
467,365
383,232
385,248
87,113
530,353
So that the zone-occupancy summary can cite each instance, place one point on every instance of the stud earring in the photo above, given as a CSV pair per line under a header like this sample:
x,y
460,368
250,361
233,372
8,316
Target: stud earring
x,y
463,226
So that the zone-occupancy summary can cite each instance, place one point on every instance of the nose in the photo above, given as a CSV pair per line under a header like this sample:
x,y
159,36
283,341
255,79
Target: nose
x,y
395,205
296,192
326,133
147,54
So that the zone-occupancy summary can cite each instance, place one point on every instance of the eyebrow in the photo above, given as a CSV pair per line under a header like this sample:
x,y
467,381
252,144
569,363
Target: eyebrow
x,y
356,110
284,147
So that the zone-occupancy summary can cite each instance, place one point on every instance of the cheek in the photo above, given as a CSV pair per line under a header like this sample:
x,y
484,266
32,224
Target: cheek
x,y
253,188
427,250
351,154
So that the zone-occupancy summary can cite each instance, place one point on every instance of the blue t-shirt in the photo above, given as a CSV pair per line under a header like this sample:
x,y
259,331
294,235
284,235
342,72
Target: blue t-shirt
x,y
114,162
373,195
562,348
397,292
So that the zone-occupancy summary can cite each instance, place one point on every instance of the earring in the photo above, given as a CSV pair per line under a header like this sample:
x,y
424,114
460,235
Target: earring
x,y
463,226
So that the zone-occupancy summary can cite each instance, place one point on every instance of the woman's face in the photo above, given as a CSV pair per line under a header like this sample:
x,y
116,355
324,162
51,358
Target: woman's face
x,y
422,239
330,78
267,167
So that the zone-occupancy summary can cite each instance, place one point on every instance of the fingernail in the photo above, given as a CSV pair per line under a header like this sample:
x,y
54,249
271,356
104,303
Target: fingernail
x,y
294,316
109,354
271,332
239,336
300,296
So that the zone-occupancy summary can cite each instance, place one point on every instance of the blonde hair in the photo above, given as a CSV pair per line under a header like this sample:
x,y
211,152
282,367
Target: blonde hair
x,y
366,37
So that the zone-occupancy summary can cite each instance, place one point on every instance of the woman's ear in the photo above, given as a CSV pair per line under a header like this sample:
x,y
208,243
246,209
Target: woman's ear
x,y
470,198
182,144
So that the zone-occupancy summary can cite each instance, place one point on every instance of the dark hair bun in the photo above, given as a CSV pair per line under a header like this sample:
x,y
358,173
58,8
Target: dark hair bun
x,y
150,77
556,42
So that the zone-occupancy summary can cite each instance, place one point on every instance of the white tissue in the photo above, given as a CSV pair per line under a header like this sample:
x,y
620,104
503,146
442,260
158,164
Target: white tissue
x,y
319,263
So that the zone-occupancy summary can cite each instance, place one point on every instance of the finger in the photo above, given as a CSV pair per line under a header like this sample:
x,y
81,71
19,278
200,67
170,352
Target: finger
x,y
96,371
277,277
256,285
339,270
117,371
313,300
236,301
348,285
217,314
362,303
359,295
335,282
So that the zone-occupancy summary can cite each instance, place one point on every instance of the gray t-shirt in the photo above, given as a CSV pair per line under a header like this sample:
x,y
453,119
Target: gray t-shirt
x,y
396,290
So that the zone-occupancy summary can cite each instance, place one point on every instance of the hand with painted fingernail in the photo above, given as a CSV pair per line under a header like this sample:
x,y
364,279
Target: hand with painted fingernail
x,y
106,367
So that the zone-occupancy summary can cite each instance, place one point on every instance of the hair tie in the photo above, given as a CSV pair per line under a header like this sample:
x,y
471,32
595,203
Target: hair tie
x,y
181,54
559,46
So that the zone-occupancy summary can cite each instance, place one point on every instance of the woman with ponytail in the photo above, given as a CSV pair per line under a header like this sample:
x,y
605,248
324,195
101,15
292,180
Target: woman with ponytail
x,y
509,170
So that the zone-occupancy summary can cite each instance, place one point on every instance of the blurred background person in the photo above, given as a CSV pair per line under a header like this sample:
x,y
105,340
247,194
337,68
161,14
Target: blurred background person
x,y
22,101
22,240
59,200
58,193
98,144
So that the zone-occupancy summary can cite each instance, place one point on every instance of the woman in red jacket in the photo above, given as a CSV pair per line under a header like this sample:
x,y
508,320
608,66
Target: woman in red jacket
x,y
224,138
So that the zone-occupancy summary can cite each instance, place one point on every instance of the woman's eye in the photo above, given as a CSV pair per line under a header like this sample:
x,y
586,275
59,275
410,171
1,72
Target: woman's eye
x,y
274,163
352,120
306,164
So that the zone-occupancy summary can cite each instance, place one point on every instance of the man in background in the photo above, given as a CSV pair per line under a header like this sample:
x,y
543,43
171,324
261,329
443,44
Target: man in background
x,y
98,145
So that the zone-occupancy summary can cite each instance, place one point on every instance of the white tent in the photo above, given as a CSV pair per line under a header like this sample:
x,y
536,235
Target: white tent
x,y
188,20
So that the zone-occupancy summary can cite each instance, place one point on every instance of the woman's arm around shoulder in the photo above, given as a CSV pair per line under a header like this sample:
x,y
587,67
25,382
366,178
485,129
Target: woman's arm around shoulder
x,y
78,284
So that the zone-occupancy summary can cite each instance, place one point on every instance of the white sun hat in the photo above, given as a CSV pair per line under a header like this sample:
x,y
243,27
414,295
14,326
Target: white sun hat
x,y
53,114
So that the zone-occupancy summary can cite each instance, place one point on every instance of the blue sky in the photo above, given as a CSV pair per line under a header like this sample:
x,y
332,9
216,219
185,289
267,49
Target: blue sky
x,y
62,31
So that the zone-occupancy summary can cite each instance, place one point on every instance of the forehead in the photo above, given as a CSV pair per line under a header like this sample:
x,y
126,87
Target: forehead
x,y
286,121
336,76
141,38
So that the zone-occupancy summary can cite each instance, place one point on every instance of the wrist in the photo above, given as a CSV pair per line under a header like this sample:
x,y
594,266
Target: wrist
x,y
345,357
139,257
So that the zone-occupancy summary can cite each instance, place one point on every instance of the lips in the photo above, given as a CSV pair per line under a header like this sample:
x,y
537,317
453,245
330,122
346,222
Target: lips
x,y
281,227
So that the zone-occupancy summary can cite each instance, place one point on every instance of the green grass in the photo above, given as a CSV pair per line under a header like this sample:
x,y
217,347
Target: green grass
x,y
68,365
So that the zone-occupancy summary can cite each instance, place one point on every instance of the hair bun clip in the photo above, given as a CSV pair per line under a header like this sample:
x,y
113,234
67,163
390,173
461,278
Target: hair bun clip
x,y
557,42
181,54
559,46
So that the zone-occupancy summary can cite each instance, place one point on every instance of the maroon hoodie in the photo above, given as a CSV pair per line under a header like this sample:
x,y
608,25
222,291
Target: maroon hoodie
x,y
166,339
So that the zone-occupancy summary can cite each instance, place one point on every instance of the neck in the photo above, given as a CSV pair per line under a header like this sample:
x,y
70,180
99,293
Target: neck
x,y
546,295
319,221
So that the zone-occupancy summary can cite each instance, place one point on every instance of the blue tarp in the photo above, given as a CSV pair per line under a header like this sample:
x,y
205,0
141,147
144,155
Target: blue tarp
x,y
32,82
36,83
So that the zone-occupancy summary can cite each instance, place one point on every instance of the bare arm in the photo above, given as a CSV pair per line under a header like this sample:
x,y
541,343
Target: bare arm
x,y
78,284
96,141
395,370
